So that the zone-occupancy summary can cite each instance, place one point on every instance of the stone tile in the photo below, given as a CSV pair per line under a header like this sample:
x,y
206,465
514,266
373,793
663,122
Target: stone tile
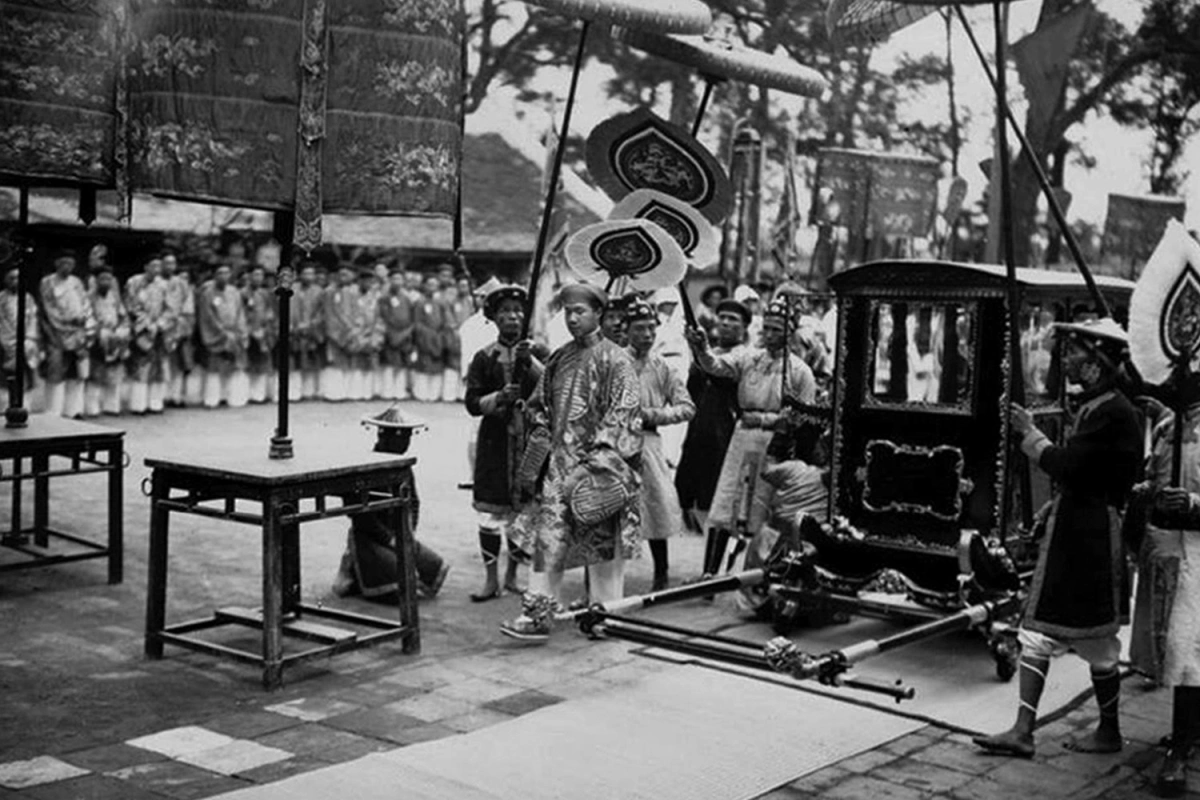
x,y
953,754
983,789
176,742
431,707
178,780
89,787
327,744
1091,765
822,780
36,771
375,694
522,702
120,675
425,676
312,709
237,756
908,743
1110,780
378,723
279,770
921,775
1033,779
1146,731
479,690
577,687
869,760
251,724
860,787
474,720
423,733
111,756
785,793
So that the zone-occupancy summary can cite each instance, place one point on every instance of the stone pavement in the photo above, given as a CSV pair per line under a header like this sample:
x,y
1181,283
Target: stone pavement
x,y
83,715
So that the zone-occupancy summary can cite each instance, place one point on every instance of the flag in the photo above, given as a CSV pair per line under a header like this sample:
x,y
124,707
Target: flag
x,y
1043,57
783,232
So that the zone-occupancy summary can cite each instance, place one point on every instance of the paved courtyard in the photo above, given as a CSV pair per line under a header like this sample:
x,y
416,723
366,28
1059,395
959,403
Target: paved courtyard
x,y
84,715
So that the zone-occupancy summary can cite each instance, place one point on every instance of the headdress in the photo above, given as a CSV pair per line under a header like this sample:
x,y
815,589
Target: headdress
x,y
639,310
574,292
491,303
734,307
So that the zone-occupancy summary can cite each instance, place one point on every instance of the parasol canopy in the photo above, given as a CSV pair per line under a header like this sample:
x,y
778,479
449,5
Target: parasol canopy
x,y
687,226
637,250
640,150
661,16
1164,312
721,58
868,22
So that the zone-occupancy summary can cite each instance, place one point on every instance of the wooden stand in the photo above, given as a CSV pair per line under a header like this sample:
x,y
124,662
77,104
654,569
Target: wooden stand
x,y
56,448
287,493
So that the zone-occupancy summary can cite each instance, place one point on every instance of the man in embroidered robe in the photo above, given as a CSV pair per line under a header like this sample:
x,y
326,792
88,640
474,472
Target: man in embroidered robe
x,y
69,328
665,401
502,376
150,320
262,328
1074,600
110,348
709,432
581,465
429,341
224,334
341,321
396,317
180,339
307,338
742,498
459,305
8,340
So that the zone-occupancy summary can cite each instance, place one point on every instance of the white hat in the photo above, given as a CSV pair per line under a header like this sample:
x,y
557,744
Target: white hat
x,y
744,293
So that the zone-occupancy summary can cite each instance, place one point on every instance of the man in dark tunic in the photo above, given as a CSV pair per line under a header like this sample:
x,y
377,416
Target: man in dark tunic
x,y
500,377
709,431
1074,602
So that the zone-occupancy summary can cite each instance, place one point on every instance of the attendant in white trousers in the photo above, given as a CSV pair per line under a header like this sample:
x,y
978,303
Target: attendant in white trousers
x,y
341,321
111,347
224,336
307,334
396,316
259,303
70,329
429,343
151,319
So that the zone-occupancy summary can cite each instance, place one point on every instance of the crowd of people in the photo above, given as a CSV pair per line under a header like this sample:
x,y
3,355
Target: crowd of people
x,y
168,338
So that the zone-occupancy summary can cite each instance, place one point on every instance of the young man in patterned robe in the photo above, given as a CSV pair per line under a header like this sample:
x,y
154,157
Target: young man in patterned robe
x,y
69,329
396,316
110,348
429,341
665,401
341,320
368,339
262,327
581,466
180,339
8,340
501,377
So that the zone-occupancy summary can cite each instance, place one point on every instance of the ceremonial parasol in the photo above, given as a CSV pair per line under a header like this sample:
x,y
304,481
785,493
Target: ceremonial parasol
x,y
661,16
637,250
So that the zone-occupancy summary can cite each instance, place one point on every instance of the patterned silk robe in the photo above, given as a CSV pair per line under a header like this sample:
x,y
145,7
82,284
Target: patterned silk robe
x,y
429,334
396,316
261,326
588,401
151,318
8,333
368,333
70,327
111,347
665,401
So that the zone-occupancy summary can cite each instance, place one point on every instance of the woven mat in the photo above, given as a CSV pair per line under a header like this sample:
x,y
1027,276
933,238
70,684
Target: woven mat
x,y
687,733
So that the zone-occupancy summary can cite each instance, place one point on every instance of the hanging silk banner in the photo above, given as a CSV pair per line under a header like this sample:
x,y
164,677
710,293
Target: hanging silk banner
x,y
1134,224
59,84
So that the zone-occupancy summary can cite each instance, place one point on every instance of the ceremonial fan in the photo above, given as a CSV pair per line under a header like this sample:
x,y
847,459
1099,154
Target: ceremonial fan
x,y
661,16
637,251
1164,327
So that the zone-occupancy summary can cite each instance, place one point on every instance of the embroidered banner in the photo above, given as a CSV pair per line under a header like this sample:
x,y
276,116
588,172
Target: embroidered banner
x,y
58,90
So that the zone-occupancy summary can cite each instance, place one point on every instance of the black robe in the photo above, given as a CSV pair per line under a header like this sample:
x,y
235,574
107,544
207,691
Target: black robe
x,y
496,451
707,438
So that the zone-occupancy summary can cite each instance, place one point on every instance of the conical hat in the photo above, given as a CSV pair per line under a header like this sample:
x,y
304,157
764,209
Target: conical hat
x,y
1164,312
686,225
635,249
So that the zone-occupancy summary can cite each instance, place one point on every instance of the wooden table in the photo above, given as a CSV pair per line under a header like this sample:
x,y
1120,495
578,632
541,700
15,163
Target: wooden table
x,y
54,447
277,496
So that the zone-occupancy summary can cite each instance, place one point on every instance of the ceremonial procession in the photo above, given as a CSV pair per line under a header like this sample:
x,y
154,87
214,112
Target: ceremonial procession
x,y
672,399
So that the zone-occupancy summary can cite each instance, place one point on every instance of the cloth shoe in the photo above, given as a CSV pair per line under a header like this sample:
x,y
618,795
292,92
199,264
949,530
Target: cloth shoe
x,y
431,589
1172,775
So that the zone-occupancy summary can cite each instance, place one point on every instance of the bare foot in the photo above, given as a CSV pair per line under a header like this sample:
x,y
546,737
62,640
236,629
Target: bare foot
x,y
1100,741
490,591
1009,743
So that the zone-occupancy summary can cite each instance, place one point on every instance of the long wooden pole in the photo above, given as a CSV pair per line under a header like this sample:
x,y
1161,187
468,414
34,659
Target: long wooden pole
x,y
539,253
16,415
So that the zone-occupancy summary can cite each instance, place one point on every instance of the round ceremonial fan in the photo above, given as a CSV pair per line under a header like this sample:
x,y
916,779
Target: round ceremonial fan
x,y
636,250
687,226
1164,312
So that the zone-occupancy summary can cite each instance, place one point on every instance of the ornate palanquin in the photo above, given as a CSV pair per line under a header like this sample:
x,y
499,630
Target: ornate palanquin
x,y
349,107
920,399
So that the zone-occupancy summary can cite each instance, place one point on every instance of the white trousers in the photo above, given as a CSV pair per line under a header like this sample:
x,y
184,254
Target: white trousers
x,y
257,387
427,388
606,582
65,398
333,383
234,389
102,398
451,386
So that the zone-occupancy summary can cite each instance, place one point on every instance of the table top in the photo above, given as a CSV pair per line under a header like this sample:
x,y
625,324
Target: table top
x,y
251,464
53,428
